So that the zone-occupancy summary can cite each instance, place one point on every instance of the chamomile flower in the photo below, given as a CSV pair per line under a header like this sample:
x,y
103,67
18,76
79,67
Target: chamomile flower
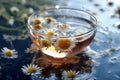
x,y
14,9
64,26
9,37
31,69
49,19
37,21
37,26
8,53
45,43
11,21
44,7
69,75
31,49
24,16
50,33
22,36
64,44
30,10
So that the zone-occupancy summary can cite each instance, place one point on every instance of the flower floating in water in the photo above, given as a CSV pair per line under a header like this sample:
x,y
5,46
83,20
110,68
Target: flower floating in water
x,y
64,44
50,33
9,37
37,26
49,19
37,21
64,26
31,69
45,43
8,53
68,75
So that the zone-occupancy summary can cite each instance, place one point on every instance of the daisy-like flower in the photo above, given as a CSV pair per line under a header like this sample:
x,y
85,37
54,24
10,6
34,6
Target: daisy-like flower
x,y
50,33
22,36
11,21
14,9
8,53
44,7
37,26
24,16
31,49
30,10
9,37
31,69
49,19
69,75
64,26
36,21
45,43
64,44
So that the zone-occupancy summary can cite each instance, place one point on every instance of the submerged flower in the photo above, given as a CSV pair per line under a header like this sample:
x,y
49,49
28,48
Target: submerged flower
x,y
49,19
50,33
37,26
37,21
9,37
68,75
45,43
64,44
64,26
31,69
8,53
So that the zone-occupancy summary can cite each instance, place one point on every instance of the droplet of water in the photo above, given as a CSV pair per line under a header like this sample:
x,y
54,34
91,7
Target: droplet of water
x,y
113,60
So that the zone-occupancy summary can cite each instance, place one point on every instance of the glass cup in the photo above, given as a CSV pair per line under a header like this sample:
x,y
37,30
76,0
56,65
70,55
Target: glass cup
x,y
61,34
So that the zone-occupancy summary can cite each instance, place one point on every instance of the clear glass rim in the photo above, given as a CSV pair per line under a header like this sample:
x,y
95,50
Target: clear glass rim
x,y
93,17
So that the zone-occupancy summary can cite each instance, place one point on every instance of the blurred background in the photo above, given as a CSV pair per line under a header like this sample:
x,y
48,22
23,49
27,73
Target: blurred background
x,y
104,50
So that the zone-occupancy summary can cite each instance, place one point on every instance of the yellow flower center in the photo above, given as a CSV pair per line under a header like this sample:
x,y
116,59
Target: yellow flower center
x,y
31,70
71,74
50,33
49,19
37,26
64,43
22,36
64,26
9,53
37,21
46,43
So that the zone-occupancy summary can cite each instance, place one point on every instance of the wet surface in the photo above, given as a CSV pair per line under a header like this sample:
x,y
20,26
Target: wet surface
x,y
104,50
